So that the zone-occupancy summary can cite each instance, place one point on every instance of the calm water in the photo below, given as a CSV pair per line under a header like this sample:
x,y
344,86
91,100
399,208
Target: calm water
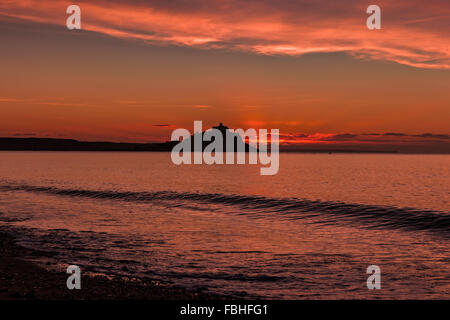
x,y
308,232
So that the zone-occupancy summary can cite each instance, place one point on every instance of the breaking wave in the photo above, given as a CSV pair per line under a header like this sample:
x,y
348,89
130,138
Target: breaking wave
x,y
372,216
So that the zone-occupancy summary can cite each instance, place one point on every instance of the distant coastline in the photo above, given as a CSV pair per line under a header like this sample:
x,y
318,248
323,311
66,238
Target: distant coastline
x,y
54,144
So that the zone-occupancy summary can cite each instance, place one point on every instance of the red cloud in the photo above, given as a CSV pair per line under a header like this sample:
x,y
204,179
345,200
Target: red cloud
x,y
414,32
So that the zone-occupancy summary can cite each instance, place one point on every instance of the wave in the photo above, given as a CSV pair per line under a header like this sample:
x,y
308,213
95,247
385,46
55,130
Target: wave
x,y
326,212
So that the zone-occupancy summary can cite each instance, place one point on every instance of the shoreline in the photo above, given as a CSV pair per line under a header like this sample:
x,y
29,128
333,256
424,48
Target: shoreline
x,y
21,279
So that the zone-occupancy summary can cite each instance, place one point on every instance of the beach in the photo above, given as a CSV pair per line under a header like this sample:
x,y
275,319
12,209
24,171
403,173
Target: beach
x,y
21,279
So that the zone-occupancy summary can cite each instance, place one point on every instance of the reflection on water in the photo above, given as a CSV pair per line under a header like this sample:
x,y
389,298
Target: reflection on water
x,y
308,232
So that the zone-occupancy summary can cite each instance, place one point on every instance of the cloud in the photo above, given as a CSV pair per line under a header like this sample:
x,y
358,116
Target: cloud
x,y
10,100
434,136
414,32
394,134
20,134
201,106
372,138
46,103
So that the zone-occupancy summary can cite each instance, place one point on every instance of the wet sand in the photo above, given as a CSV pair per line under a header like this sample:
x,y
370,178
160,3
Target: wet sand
x,y
21,279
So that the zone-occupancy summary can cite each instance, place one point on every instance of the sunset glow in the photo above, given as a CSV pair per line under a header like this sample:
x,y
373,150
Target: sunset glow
x,y
312,69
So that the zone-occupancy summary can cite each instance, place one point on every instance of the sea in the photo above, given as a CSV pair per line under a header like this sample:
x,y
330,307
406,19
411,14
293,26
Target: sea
x,y
308,232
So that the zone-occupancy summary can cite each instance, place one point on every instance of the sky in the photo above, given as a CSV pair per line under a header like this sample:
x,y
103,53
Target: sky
x,y
140,69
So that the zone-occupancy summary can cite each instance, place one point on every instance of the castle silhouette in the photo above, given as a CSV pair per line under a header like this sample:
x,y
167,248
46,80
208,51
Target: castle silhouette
x,y
225,135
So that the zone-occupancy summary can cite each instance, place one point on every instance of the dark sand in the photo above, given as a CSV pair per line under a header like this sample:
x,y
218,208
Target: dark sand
x,y
23,280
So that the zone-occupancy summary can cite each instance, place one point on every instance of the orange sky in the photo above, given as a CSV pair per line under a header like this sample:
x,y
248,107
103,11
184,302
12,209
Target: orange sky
x,y
137,71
